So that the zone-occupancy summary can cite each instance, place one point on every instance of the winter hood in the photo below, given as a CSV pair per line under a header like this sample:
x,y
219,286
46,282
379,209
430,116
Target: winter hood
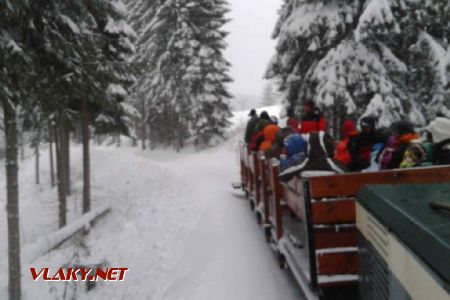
x,y
439,129
270,132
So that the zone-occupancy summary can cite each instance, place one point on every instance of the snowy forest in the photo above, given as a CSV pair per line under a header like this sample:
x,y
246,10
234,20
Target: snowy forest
x,y
386,58
79,75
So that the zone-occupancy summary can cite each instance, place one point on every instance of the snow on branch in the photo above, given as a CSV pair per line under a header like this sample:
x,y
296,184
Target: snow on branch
x,y
70,23
438,54
376,13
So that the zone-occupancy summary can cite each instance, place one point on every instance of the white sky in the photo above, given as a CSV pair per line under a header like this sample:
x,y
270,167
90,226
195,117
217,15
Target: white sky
x,y
250,44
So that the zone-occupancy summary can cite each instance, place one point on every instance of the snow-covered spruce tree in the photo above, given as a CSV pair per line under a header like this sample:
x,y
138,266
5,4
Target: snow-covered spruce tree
x,y
306,32
380,67
140,15
187,72
421,43
109,66
207,75
270,95
82,51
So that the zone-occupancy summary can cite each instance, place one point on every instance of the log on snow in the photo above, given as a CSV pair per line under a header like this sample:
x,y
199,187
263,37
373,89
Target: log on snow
x,y
45,244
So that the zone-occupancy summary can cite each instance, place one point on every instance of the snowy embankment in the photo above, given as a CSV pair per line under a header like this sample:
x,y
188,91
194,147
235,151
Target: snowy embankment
x,y
175,223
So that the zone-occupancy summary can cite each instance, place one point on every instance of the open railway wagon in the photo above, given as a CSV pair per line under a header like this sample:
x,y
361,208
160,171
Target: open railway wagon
x,y
404,241
310,221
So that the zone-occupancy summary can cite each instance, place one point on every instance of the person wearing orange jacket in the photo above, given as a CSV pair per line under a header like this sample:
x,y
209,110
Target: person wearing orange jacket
x,y
313,119
270,133
342,153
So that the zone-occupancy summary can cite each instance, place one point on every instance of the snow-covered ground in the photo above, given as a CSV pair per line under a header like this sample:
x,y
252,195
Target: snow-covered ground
x,y
176,224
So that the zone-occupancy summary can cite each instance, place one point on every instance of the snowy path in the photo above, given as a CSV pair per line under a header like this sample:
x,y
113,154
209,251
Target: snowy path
x,y
176,224
226,256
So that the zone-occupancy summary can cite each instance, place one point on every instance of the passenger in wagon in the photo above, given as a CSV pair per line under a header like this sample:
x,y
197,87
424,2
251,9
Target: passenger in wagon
x,y
439,131
278,146
295,148
270,132
264,120
251,124
392,155
349,134
313,119
292,121
319,153
257,133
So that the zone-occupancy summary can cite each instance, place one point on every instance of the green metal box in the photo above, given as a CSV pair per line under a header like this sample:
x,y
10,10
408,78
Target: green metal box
x,y
402,215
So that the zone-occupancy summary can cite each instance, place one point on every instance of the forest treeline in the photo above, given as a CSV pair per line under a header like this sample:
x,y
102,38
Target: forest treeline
x,y
77,71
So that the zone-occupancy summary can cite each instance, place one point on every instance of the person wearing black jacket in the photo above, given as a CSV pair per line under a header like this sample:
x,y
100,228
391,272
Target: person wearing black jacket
x,y
360,146
251,124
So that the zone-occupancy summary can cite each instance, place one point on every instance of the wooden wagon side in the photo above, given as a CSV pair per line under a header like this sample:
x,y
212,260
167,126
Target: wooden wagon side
x,y
319,234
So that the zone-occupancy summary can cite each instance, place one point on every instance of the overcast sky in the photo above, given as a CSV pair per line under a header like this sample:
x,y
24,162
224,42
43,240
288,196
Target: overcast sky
x,y
250,44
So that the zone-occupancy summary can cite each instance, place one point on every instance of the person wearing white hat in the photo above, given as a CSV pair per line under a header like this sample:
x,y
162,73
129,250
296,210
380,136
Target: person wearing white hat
x,y
439,129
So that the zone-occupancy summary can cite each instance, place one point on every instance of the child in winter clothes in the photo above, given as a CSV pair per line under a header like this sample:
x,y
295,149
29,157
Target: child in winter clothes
x,y
374,165
270,132
278,146
393,154
295,147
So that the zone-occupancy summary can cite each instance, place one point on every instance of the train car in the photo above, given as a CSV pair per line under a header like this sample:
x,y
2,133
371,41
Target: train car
x,y
404,242
310,221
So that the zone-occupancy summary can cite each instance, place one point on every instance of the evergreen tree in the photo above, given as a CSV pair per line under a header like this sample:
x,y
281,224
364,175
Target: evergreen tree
x,y
184,87
270,95
364,57
140,15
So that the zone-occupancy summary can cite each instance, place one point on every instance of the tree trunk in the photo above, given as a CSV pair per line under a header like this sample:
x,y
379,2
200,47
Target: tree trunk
x,y
135,137
119,141
143,122
50,150
19,133
37,154
66,138
144,135
62,197
12,204
86,157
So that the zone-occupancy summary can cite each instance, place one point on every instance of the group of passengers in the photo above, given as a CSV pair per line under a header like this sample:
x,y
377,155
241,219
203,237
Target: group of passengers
x,y
304,143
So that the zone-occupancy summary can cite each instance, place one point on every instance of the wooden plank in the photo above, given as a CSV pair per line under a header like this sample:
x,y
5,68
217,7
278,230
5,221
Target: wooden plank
x,y
332,238
257,178
277,198
337,263
333,212
350,184
265,188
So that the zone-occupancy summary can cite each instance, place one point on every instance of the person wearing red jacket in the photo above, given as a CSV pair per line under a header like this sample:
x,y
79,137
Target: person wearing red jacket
x,y
292,120
313,120
349,133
